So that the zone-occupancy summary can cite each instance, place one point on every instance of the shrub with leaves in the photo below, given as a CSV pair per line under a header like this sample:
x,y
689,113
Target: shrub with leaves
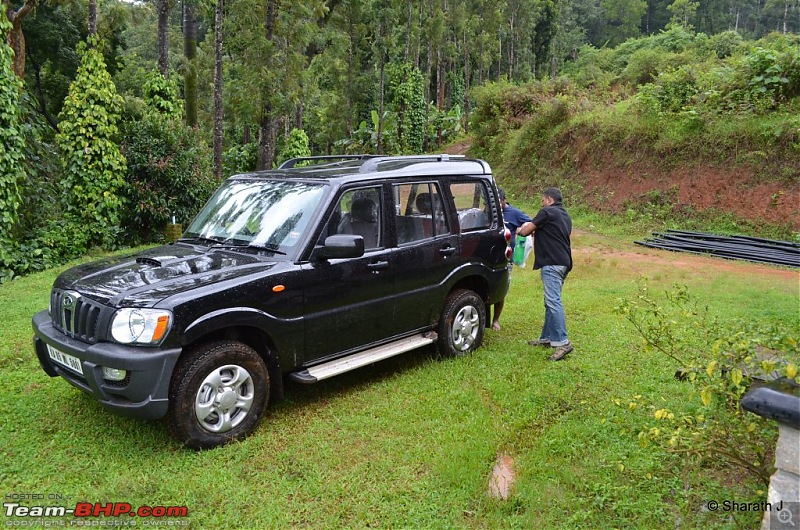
x,y
239,158
169,174
12,148
94,167
294,146
161,95
719,361
406,95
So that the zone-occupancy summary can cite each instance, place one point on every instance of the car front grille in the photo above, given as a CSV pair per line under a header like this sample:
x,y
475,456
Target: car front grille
x,y
75,315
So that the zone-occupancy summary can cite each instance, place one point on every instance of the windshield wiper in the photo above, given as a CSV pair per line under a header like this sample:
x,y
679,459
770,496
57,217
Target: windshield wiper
x,y
202,239
270,248
253,246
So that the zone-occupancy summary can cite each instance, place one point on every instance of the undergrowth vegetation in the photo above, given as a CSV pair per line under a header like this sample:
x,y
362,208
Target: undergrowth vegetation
x,y
720,360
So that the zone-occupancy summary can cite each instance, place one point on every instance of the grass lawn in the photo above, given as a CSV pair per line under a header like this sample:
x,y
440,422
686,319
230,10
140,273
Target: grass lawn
x,y
411,442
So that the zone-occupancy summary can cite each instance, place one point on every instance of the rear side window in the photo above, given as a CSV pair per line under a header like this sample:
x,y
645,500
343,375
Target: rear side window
x,y
419,212
472,203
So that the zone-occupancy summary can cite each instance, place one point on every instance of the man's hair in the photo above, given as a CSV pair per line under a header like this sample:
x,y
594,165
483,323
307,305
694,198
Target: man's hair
x,y
501,193
553,193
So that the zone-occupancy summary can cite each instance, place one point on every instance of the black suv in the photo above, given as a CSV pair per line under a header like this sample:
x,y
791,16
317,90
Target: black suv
x,y
319,267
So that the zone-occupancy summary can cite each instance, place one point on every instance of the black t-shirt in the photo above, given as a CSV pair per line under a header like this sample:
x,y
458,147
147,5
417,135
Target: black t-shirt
x,y
551,244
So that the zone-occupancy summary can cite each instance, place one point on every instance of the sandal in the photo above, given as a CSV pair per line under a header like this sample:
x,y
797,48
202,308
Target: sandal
x,y
561,352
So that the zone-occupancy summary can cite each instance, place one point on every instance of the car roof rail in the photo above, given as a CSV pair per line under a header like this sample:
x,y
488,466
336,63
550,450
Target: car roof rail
x,y
292,162
372,163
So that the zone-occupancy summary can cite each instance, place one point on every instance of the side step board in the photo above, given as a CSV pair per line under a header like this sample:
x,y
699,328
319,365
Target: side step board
x,y
357,360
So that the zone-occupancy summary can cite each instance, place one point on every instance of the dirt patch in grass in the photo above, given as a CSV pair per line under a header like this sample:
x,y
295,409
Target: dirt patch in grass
x,y
502,480
689,262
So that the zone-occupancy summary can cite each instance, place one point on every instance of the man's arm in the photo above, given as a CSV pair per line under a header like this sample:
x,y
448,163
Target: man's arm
x,y
526,229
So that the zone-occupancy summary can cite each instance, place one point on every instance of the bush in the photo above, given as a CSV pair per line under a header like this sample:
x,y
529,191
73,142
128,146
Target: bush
x,y
94,168
169,174
161,95
719,361
723,44
239,158
12,148
643,67
294,146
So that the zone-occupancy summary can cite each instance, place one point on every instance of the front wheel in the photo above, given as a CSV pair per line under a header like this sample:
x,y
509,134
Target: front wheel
x,y
218,393
462,324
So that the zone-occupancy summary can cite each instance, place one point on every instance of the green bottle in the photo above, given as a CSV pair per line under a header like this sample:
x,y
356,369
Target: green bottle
x,y
519,251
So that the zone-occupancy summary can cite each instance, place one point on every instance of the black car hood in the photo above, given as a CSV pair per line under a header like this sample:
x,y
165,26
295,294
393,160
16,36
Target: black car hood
x,y
143,279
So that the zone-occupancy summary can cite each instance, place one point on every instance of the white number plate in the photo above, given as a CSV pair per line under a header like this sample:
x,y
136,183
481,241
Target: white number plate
x,y
62,358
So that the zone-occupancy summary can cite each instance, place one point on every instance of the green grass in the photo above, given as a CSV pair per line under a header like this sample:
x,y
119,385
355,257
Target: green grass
x,y
410,442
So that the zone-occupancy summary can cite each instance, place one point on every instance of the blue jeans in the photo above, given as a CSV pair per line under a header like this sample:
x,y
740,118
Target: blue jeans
x,y
555,321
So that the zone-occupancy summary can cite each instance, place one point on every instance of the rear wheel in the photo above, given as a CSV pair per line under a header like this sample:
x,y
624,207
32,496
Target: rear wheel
x,y
218,393
462,324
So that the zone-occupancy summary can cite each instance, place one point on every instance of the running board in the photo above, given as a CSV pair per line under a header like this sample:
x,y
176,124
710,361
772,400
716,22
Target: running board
x,y
357,360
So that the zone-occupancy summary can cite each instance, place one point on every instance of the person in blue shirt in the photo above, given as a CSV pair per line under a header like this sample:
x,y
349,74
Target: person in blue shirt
x,y
514,219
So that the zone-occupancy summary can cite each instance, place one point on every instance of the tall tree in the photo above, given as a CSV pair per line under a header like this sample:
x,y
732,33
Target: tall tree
x,y
623,19
94,167
51,61
218,115
190,54
163,7
15,37
267,47
92,24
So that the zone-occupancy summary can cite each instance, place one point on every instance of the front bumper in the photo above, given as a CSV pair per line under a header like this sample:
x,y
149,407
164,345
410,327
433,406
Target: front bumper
x,y
143,393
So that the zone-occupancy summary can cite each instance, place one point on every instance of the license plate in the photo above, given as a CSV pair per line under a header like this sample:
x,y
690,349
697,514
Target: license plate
x,y
73,363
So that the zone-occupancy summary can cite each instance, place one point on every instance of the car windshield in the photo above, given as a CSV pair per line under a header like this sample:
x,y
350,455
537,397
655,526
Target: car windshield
x,y
271,215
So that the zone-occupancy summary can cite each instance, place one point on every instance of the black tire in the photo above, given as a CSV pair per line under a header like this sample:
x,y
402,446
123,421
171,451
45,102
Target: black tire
x,y
218,393
462,324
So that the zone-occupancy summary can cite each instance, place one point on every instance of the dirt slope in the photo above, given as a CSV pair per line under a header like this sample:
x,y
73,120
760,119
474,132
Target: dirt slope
x,y
740,190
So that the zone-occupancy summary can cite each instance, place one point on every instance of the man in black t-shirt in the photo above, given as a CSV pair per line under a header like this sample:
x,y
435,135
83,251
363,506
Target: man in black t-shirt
x,y
553,256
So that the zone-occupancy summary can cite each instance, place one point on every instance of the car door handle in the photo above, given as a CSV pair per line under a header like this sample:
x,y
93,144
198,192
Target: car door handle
x,y
447,251
378,266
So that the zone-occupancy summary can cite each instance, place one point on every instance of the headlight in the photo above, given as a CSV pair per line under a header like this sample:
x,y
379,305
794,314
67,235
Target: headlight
x,y
140,326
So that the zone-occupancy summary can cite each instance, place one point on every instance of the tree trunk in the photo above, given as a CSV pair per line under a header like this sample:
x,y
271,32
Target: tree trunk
x,y
407,53
16,39
268,126
785,15
428,67
439,90
511,43
190,52
350,73
467,75
92,25
380,109
499,58
218,138
267,133
163,38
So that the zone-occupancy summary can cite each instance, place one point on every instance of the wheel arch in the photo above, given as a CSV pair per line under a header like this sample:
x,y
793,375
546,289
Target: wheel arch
x,y
255,338
476,284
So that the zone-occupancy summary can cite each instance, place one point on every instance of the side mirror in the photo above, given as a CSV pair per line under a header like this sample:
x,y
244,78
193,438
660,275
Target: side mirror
x,y
343,246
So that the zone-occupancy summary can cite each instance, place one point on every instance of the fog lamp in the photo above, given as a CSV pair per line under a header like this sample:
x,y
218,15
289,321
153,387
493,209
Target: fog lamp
x,y
114,374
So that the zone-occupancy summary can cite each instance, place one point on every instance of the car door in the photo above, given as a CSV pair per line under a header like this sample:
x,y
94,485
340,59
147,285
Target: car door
x,y
427,252
349,302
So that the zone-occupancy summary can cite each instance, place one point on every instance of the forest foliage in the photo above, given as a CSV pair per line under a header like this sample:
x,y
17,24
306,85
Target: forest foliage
x,y
114,140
